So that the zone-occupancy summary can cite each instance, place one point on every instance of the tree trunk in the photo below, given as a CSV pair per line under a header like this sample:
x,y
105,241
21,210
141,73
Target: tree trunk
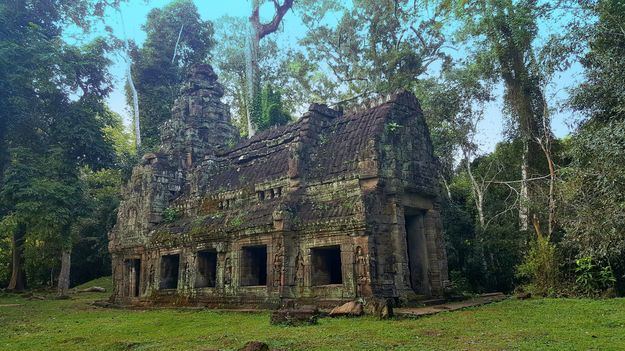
x,y
131,83
257,31
524,210
135,108
63,284
478,192
18,277
253,76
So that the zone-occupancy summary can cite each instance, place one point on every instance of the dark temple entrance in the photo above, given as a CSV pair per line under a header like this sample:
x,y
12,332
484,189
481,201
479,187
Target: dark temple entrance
x,y
416,243
206,269
170,264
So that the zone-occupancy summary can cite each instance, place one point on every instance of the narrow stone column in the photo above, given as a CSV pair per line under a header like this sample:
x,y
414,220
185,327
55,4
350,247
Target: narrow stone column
x,y
434,239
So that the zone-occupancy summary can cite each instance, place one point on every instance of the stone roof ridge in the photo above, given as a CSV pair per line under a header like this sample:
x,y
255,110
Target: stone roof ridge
x,y
402,97
405,98
201,71
324,110
201,76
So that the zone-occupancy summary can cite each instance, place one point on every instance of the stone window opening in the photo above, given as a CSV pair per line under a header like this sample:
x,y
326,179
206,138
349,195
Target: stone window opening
x,y
261,195
170,266
272,194
226,204
278,191
206,275
254,265
326,265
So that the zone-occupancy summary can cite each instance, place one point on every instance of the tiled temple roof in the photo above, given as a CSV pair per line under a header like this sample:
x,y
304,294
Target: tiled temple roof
x,y
329,146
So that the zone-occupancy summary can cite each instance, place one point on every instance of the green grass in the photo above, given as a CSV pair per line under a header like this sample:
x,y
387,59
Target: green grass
x,y
540,324
104,282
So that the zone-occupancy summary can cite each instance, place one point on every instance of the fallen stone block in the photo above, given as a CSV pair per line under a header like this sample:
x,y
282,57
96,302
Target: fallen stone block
x,y
524,295
352,309
381,308
294,316
255,346
93,289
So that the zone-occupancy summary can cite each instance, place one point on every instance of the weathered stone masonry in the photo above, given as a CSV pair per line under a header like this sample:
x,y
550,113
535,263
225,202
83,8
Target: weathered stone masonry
x,y
330,208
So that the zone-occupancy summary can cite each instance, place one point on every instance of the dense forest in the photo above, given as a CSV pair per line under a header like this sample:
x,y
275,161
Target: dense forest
x,y
539,213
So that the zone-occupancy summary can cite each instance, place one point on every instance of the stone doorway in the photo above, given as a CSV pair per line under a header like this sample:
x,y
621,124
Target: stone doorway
x,y
206,269
133,269
416,245
170,266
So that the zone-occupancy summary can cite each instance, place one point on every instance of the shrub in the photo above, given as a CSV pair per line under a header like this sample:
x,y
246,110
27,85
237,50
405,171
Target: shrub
x,y
171,214
592,279
540,268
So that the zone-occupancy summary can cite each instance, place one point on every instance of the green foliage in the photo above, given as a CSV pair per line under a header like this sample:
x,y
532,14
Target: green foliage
x,y
267,108
541,267
593,189
5,254
452,107
236,221
591,278
601,97
171,214
273,111
279,67
370,46
593,192
54,94
91,258
392,127
485,257
157,77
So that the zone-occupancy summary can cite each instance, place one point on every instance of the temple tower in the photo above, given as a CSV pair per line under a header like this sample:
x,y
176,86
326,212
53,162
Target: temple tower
x,y
200,124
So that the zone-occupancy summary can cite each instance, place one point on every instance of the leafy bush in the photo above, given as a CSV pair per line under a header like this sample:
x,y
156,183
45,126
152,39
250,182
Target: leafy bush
x,y
540,268
171,214
591,279
5,261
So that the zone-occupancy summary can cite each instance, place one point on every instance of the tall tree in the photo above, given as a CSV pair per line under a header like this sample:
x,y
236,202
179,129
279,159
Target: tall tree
x,y
53,94
374,46
594,182
280,66
258,31
503,34
176,38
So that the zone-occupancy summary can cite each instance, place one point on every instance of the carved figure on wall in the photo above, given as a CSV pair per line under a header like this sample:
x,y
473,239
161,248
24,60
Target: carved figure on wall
x,y
373,262
278,266
299,269
151,273
361,266
228,272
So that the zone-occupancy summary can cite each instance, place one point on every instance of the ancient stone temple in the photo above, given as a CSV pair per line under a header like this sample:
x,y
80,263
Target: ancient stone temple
x,y
333,207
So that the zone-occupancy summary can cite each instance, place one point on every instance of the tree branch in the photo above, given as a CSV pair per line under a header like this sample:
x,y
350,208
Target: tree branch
x,y
268,28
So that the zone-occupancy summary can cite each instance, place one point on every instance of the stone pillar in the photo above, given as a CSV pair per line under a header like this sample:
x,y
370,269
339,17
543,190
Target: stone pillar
x,y
436,252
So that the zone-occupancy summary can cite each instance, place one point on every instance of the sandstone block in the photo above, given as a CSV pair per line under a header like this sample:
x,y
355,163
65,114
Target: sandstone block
x,y
352,309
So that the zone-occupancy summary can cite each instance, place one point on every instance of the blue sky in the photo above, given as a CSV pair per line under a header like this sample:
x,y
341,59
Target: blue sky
x,y
134,13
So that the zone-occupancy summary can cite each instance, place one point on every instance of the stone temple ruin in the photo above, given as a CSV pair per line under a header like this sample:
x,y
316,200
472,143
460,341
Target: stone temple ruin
x,y
330,208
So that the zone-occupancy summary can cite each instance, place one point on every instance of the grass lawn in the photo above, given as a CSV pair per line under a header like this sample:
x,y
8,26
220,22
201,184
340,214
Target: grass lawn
x,y
539,324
